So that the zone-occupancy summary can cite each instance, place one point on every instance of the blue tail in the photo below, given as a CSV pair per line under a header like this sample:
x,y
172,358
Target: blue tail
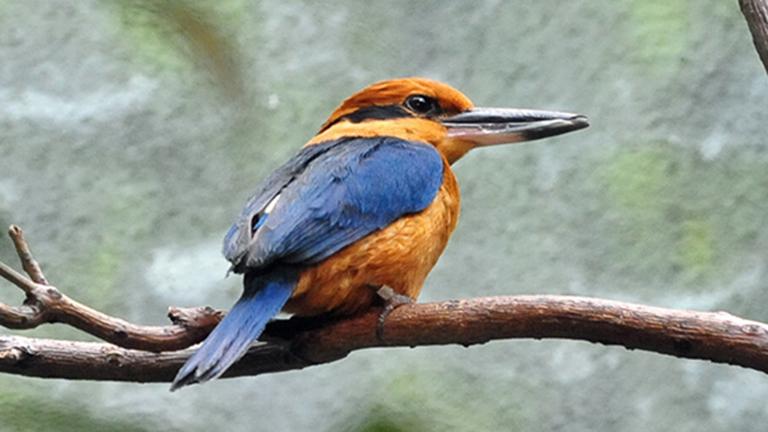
x,y
263,297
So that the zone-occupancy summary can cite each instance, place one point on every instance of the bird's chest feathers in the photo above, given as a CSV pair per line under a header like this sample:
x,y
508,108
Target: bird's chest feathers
x,y
400,256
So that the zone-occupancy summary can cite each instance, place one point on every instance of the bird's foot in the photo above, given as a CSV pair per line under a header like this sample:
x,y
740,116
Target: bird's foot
x,y
392,301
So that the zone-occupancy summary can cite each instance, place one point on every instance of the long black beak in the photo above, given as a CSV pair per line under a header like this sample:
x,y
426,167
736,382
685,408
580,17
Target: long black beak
x,y
491,126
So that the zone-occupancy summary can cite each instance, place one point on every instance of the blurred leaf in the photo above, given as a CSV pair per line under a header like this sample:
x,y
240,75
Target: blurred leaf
x,y
128,215
171,32
675,214
378,420
428,400
26,412
695,249
637,180
660,30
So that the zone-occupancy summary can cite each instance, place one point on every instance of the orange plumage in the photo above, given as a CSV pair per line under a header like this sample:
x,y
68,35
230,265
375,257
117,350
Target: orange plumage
x,y
369,202
401,255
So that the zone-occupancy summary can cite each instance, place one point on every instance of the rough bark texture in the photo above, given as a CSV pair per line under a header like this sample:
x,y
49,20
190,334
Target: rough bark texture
x,y
756,14
154,353
714,336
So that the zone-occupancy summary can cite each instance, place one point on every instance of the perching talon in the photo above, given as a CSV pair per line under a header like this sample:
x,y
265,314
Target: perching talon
x,y
392,301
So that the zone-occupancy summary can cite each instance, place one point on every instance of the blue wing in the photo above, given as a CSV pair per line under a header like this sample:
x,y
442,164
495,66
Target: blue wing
x,y
331,195
239,235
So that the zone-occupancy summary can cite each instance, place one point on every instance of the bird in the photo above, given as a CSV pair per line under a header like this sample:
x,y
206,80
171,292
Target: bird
x,y
361,213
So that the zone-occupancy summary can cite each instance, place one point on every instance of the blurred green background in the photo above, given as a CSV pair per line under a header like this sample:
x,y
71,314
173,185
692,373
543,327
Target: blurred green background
x,y
132,132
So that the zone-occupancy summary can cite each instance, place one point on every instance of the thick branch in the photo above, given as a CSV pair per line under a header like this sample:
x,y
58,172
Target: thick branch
x,y
714,336
756,14
297,343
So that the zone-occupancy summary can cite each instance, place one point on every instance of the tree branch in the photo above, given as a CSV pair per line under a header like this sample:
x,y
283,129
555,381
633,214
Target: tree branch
x,y
154,353
756,14
714,336
298,343
46,304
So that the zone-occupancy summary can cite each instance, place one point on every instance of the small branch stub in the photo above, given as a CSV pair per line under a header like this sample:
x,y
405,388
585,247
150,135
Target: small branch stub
x,y
28,262
44,303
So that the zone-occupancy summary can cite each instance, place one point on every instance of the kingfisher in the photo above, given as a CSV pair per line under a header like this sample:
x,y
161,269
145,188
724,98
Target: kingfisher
x,y
361,213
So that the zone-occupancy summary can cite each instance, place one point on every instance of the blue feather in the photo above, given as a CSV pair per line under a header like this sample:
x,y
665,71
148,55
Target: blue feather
x,y
349,190
239,235
330,195
264,296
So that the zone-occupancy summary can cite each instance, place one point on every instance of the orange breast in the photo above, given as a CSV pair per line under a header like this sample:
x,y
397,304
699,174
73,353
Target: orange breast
x,y
399,256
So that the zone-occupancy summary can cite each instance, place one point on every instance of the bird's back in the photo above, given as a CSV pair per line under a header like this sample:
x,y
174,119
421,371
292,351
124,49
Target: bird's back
x,y
399,256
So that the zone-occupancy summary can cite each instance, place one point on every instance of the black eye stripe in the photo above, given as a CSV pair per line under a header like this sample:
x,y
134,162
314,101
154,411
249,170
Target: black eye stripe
x,y
378,112
374,112
386,112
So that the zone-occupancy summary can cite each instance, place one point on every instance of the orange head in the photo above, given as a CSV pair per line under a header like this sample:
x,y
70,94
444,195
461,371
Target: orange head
x,y
424,110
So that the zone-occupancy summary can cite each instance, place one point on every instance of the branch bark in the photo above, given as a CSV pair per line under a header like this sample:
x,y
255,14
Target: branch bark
x,y
46,304
154,354
756,14
714,336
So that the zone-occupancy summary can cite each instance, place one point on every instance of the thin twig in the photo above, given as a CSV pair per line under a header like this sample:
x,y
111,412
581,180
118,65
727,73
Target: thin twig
x,y
46,304
16,278
28,262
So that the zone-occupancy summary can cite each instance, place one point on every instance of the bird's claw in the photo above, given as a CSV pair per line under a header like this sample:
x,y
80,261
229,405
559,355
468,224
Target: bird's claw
x,y
392,301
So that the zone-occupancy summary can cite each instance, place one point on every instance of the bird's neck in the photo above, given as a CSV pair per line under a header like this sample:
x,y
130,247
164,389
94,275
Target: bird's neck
x,y
409,129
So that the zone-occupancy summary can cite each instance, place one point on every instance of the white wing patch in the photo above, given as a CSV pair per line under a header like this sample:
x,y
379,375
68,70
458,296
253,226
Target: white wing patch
x,y
271,206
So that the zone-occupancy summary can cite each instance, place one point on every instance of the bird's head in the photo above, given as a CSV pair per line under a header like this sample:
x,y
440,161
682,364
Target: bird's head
x,y
430,111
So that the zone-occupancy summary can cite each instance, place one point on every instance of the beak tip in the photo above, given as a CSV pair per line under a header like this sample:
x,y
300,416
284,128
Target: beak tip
x,y
579,121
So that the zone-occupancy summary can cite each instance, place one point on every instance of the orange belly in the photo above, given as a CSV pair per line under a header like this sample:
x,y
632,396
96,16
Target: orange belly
x,y
399,256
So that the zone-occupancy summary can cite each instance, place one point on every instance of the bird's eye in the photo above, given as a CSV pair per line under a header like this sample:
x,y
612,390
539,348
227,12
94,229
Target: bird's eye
x,y
420,104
